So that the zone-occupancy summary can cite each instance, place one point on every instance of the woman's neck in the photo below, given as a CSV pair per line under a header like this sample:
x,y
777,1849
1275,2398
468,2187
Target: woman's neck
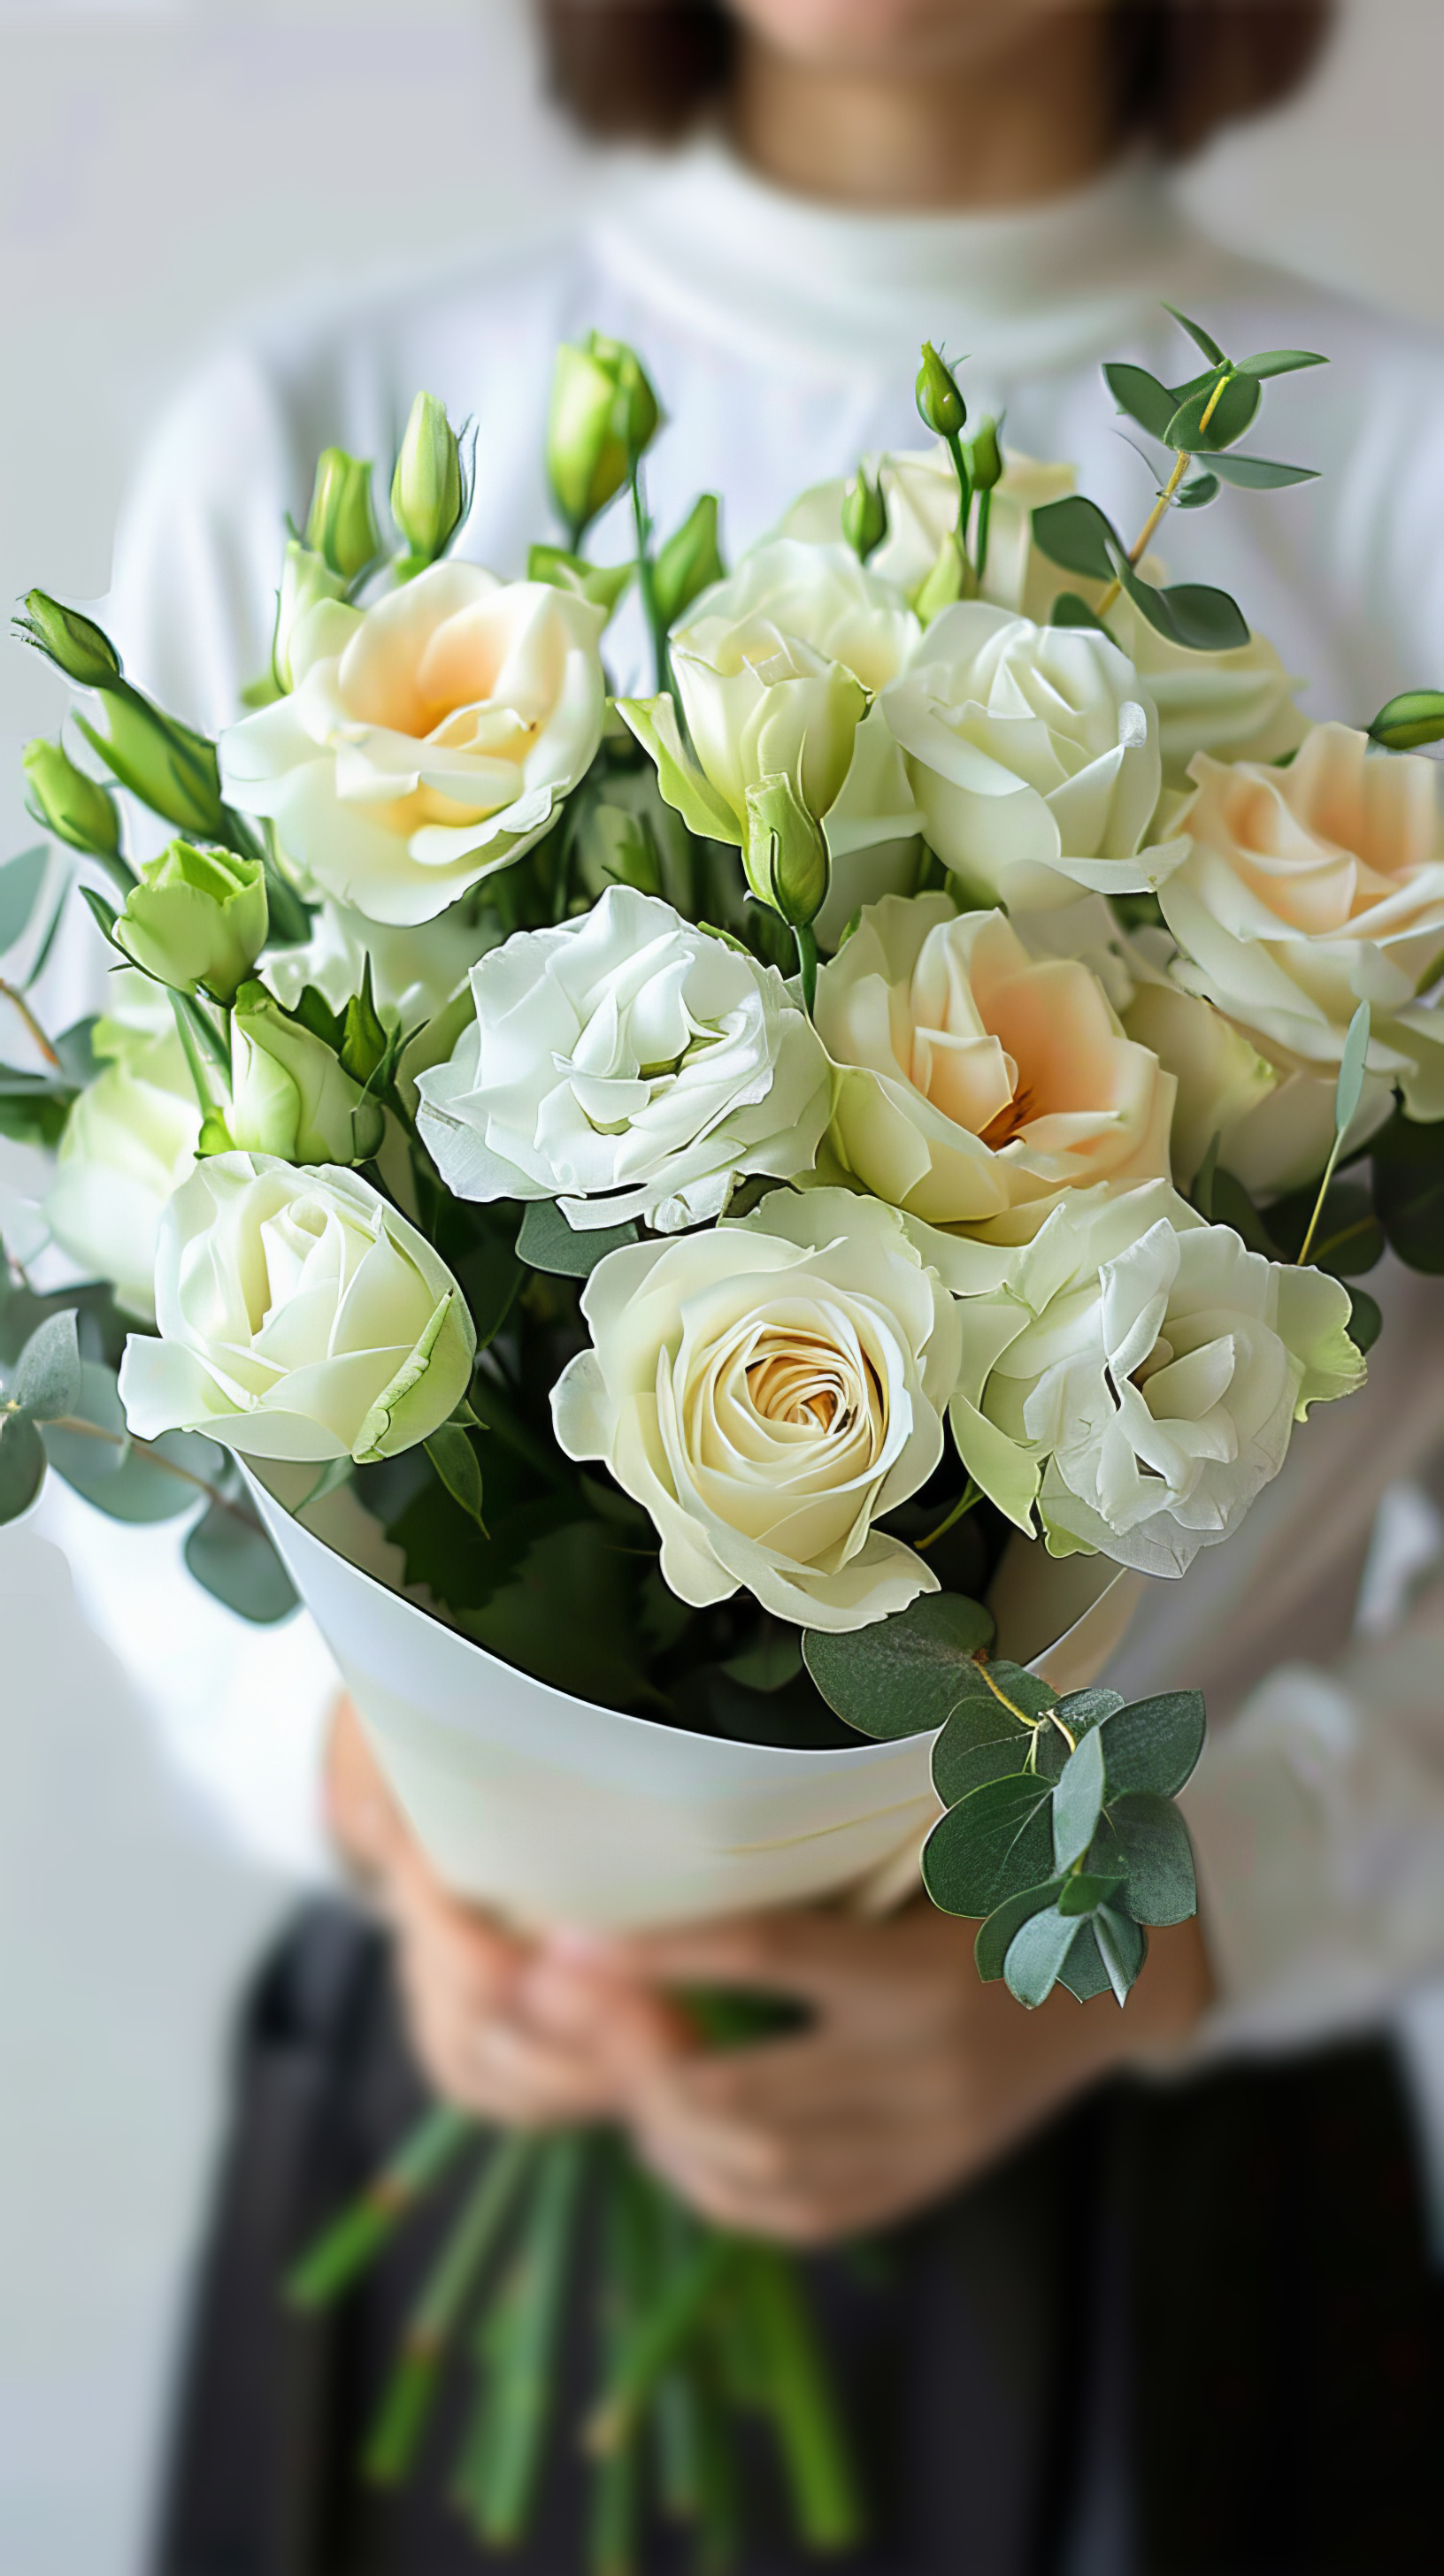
x,y
1014,123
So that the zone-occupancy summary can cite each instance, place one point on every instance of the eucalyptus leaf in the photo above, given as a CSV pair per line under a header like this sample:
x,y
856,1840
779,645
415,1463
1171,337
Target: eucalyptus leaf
x,y
1410,721
1075,533
995,1936
1209,420
547,1242
995,1842
1408,1162
901,1676
1260,473
1189,613
1350,1088
1201,339
1348,1238
75,1047
1197,493
1083,1972
456,1463
1366,1319
46,1380
1161,1883
21,879
1121,1946
964,1758
1280,362
103,914
1086,1708
1036,1955
231,1557
22,1465
1153,1744
1078,1800
1141,396
1069,610
1083,1891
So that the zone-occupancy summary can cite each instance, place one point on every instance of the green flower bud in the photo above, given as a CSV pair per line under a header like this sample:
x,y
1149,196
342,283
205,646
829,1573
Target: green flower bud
x,y
427,492
940,405
75,644
945,583
688,562
170,769
197,917
864,514
985,456
289,1093
305,578
75,808
604,415
785,855
342,523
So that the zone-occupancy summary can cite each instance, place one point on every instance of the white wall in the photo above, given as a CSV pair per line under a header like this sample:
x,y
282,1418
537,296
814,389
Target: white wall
x,y
162,168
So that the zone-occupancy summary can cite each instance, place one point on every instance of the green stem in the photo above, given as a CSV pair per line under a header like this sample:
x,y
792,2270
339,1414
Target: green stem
x,y
657,2341
805,941
71,1423
616,2490
210,1036
646,582
965,490
407,2402
1330,1167
360,2232
185,1031
985,523
826,2503
38,1039
970,1495
521,2377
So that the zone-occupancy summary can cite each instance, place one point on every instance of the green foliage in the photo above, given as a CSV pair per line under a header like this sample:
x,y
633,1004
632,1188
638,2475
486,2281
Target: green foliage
x,y
1154,1744
1407,723
689,561
903,1675
21,879
1408,1168
453,1456
1036,1955
1078,1800
997,1840
1142,397
1155,1843
231,1557
22,1465
1076,534
45,1382
547,1242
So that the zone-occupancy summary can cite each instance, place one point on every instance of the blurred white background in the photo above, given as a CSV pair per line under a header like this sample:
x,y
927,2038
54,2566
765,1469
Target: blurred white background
x,y
164,169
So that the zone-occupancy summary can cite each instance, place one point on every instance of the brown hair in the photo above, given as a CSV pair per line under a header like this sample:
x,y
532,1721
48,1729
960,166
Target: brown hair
x,y
647,68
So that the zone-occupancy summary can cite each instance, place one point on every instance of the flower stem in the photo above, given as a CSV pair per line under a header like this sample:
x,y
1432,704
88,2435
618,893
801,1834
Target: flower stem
x,y
965,491
1156,516
38,1038
646,581
806,945
1330,1167
970,1495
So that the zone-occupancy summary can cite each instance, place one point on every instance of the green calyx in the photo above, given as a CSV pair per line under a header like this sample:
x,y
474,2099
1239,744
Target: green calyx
x,y
197,920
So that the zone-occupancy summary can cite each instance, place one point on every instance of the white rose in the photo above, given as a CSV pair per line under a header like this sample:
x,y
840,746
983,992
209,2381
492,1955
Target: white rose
x,y
976,1083
629,1064
300,1317
428,740
921,491
129,1141
822,594
1238,705
1274,1123
1311,889
1033,754
1138,1374
769,1391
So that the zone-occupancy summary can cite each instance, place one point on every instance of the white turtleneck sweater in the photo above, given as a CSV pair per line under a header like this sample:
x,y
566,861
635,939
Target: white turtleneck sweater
x,y
783,339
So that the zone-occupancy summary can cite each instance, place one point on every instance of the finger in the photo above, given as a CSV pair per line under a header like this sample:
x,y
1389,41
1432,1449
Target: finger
x,y
822,1957
616,2018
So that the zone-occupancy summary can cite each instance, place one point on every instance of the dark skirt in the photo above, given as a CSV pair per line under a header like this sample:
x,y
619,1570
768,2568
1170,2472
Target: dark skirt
x,y
1186,2332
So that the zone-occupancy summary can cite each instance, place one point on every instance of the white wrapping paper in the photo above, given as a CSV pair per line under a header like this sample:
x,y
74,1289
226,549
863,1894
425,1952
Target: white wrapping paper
x,y
548,1808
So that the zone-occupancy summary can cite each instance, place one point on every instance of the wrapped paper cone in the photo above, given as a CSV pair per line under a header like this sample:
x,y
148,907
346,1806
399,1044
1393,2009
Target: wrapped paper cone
x,y
547,1808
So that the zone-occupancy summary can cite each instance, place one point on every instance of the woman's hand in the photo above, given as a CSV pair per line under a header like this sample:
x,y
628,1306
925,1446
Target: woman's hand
x,y
496,2026
913,2078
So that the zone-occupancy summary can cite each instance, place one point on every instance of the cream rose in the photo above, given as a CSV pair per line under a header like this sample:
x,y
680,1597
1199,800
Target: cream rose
x,y
427,741
1033,754
300,1317
975,1082
628,1064
1238,705
824,596
1138,1374
1310,889
129,1141
768,1391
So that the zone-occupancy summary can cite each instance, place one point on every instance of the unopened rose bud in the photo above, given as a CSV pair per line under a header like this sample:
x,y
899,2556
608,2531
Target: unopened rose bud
x,y
985,456
75,644
864,514
946,583
604,415
169,768
64,801
689,561
940,405
785,856
341,527
289,1093
305,578
198,917
427,491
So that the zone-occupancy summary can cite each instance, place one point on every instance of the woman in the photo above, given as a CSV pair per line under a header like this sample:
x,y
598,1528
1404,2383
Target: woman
x,y
984,173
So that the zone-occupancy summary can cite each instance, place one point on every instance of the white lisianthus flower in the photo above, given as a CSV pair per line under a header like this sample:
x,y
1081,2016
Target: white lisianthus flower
x,y
129,1141
414,971
976,1083
427,740
921,492
1311,889
769,1391
1033,754
628,1064
299,1316
1138,1374
824,596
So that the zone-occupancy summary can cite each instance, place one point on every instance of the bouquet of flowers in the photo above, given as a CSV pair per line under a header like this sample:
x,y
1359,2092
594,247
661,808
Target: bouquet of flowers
x,y
701,1229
